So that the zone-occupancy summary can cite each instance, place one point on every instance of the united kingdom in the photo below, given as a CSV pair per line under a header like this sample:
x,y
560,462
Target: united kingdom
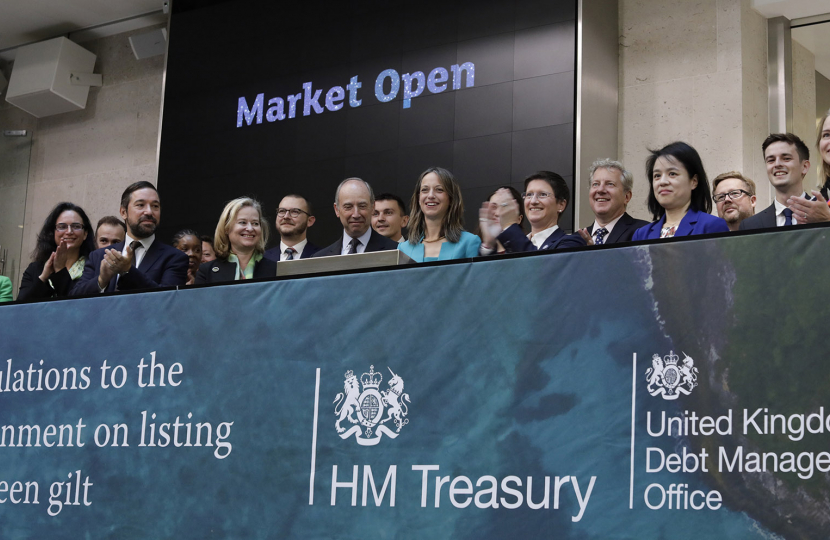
x,y
372,412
